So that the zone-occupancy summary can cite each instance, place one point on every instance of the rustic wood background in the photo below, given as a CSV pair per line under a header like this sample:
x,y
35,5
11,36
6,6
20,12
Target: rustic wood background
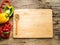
x,y
37,4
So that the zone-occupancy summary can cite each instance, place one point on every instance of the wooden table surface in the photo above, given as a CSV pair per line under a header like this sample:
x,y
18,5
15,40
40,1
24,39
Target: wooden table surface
x,y
37,4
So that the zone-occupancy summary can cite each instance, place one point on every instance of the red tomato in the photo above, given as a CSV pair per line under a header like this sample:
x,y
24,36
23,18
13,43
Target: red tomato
x,y
5,30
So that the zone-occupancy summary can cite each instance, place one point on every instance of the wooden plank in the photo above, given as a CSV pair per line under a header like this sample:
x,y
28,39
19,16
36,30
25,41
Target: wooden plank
x,y
32,23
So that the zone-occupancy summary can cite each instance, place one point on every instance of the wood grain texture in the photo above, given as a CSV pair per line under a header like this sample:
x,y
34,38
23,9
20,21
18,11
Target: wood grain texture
x,y
33,23
38,4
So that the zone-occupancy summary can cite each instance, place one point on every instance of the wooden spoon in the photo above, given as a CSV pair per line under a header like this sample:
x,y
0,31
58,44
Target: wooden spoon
x,y
16,19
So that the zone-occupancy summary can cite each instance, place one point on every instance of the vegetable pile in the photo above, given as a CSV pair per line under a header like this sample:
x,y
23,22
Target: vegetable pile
x,y
5,30
6,11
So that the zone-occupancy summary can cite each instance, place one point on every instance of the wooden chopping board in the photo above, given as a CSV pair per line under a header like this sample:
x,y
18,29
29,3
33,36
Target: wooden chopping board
x,y
32,23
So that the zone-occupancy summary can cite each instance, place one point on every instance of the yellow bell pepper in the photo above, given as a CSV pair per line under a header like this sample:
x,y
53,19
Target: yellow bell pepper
x,y
3,17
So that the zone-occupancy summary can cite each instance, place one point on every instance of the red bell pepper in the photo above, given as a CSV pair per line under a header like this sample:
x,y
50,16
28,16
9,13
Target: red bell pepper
x,y
0,10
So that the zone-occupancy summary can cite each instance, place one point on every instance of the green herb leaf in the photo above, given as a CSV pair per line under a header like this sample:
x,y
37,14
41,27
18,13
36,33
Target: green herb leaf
x,y
5,33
